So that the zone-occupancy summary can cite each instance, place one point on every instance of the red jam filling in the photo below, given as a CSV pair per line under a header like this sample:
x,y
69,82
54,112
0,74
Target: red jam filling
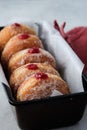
x,y
23,36
34,50
32,67
16,24
41,75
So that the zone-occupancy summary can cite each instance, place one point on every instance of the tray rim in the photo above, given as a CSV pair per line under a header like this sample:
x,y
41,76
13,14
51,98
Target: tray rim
x,y
59,97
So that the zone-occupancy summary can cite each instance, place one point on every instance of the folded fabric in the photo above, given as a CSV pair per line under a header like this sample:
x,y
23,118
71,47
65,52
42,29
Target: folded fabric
x,y
76,38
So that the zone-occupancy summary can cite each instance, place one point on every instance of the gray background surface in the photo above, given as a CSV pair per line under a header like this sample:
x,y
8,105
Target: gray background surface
x,y
74,12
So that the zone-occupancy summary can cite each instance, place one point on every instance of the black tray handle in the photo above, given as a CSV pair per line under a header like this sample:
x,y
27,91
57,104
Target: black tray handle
x,y
84,80
84,77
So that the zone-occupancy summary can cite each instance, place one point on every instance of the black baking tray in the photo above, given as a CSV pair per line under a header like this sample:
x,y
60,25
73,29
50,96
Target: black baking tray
x,y
48,113
52,112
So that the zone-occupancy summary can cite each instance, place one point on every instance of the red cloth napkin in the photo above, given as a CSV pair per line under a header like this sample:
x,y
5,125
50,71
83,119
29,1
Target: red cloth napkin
x,y
77,39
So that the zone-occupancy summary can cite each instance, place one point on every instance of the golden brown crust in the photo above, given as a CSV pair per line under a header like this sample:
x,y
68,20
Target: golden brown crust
x,y
16,44
10,31
21,73
29,82
33,88
23,57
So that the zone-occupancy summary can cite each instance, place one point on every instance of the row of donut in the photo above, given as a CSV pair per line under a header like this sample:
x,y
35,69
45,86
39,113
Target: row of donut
x,y
31,69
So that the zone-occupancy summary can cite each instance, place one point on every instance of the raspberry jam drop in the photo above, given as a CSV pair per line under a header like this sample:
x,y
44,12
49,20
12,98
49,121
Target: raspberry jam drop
x,y
32,67
23,36
41,76
34,50
16,25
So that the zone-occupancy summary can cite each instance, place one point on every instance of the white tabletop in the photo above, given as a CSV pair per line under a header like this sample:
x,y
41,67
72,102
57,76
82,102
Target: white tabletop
x,y
71,11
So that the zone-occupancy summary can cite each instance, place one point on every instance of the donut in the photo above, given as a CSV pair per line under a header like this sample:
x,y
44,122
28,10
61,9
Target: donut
x,y
21,73
41,85
30,70
19,42
31,55
9,31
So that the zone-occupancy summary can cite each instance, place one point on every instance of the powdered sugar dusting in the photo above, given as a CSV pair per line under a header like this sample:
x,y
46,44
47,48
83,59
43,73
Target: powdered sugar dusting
x,y
55,93
45,88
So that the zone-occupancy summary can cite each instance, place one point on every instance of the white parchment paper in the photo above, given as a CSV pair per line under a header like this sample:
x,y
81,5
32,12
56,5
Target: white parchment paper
x,y
68,63
2,76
